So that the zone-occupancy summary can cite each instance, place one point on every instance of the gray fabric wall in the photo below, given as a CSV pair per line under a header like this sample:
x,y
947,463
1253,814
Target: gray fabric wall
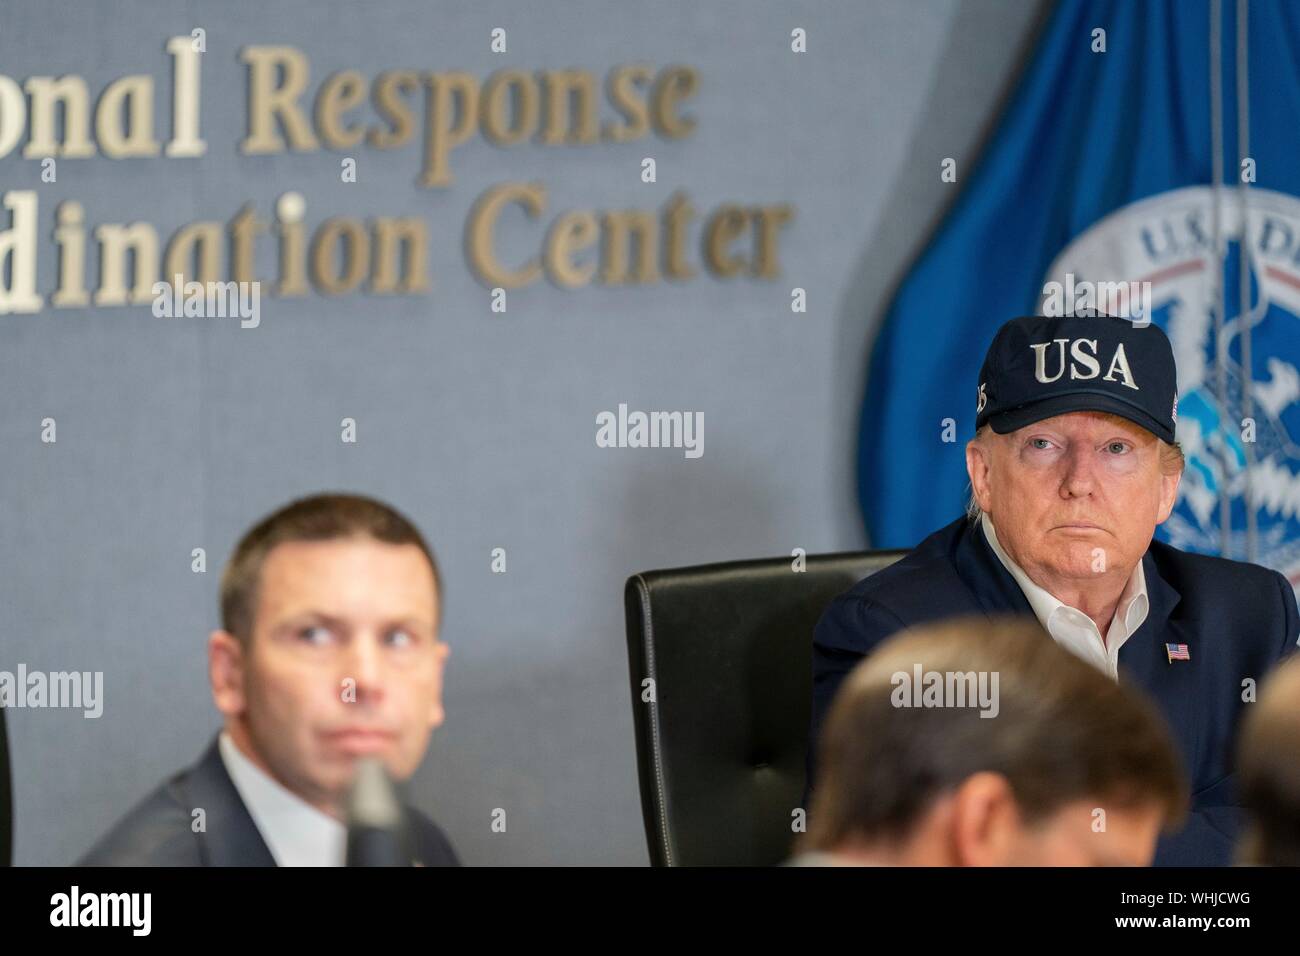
x,y
178,434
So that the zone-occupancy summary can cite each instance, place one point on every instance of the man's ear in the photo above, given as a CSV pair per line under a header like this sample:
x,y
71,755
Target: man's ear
x,y
437,714
985,820
977,468
226,672
1168,495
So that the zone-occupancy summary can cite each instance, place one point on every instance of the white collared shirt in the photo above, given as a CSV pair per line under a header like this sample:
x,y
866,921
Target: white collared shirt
x,y
296,833
1070,627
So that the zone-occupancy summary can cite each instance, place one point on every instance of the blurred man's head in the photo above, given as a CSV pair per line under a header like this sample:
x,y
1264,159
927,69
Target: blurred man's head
x,y
329,647
1066,767
1268,771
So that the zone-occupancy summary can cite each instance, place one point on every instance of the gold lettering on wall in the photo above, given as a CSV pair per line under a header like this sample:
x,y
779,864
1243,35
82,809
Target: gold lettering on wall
x,y
338,94
344,240
572,233
268,101
391,237
482,224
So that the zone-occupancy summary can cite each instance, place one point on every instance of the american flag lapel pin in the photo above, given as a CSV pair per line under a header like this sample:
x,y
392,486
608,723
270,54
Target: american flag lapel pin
x,y
1177,652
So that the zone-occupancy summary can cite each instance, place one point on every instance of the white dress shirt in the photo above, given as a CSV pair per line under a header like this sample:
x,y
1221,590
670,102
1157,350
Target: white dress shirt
x,y
296,833
1069,626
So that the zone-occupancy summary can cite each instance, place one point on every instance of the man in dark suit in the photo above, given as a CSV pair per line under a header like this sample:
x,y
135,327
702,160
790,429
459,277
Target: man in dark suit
x,y
328,653
1072,467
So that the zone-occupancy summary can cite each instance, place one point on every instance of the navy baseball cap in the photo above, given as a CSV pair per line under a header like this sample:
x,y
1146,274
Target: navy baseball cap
x,y
1038,367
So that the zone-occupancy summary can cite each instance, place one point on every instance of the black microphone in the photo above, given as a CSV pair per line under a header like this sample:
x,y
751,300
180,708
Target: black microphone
x,y
377,830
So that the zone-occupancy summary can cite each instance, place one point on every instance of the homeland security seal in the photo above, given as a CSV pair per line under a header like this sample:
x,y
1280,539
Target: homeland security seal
x,y
1167,241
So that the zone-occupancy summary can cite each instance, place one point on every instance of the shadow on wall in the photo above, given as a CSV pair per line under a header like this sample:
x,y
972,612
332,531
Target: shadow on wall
x,y
987,46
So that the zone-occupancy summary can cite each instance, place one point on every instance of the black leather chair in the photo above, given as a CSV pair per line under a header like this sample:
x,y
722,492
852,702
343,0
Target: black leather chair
x,y
721,746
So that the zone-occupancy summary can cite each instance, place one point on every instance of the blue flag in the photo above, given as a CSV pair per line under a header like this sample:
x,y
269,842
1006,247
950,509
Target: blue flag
x,y
1102,170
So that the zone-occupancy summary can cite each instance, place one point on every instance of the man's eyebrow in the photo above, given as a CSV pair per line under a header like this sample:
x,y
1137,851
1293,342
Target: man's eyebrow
x,y
311,617
302,618
1131,439
412,621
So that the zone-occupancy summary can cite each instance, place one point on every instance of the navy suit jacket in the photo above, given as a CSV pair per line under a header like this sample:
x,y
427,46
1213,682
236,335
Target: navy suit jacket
x,y
1237,620
158,831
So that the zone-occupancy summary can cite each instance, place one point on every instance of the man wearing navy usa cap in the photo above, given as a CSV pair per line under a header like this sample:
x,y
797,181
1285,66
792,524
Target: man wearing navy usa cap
x,y
1072,466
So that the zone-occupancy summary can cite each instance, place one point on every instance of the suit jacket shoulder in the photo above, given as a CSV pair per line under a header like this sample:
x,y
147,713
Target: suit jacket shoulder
x,y
161,829
196,818
155,832
431,845
1258,602
921,586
